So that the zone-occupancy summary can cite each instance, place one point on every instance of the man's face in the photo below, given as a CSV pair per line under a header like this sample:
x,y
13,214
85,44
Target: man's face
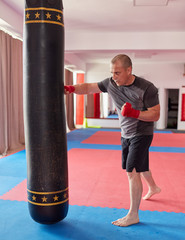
x,y
120,75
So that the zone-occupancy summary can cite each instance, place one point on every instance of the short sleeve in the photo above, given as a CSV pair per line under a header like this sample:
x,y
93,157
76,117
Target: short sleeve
x,y
103,85
151,97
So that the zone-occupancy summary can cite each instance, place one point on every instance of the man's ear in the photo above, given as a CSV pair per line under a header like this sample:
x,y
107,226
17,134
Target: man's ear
x,y
129,70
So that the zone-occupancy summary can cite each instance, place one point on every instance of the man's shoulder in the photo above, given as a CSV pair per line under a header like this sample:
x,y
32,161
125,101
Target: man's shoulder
x,y
142,82
103,85
106,80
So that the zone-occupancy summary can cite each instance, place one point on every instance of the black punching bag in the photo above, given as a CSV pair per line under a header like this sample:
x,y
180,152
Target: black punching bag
x,y
44,113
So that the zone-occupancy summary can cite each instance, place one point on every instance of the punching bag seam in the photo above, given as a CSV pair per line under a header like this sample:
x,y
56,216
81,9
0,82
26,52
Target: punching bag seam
x,y
44,21
48,204
42,8
44,193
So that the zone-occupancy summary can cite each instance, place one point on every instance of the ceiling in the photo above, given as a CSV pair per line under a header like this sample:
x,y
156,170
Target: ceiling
x,y
121,16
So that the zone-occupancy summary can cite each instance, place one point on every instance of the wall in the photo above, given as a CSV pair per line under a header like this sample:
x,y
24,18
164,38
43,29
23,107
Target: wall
x,y
163,75
14,19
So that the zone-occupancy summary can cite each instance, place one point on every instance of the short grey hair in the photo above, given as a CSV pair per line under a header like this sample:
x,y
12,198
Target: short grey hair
x,y
124,59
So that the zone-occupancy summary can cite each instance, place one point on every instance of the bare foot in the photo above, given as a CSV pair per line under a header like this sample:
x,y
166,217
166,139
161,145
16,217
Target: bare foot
x,y
151,192
126,221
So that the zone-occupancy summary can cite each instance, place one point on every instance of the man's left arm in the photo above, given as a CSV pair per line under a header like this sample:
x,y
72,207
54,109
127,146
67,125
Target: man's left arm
x,y
151,115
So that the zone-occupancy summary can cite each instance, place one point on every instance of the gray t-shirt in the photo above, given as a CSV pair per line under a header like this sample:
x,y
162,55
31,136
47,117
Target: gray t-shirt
x,y
142,94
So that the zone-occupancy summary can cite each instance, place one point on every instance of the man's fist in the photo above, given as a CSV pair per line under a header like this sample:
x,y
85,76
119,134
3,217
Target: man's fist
x,y
128,111
69,89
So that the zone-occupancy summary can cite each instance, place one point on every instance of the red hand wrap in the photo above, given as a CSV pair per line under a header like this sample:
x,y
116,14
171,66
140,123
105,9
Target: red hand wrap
x,y
69,88
128,111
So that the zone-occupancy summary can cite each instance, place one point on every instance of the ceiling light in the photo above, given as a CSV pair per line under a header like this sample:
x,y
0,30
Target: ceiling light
x,y
150,2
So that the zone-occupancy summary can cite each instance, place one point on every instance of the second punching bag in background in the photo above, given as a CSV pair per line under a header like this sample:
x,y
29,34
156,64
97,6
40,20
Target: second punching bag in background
x,y
44,115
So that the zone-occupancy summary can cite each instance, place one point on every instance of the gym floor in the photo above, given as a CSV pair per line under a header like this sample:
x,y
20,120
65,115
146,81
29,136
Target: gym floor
x,y
98,191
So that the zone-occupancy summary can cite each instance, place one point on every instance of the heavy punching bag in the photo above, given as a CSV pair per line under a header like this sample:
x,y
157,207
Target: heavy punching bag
x,y
44,112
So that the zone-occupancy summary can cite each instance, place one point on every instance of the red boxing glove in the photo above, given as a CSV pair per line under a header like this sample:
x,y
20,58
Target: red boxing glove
x,y
69,89
128,111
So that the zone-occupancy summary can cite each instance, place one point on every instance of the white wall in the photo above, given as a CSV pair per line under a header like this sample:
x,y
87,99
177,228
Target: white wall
x,y
163,75
11,17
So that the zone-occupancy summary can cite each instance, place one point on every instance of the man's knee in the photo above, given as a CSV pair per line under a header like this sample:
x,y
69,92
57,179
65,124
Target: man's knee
x,y
133,174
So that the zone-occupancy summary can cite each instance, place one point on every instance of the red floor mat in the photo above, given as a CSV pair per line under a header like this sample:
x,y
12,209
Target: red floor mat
x,y
160,139
18,193
103,137
169,140
96,179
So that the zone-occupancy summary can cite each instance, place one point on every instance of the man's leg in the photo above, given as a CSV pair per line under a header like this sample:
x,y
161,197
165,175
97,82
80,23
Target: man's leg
x,y
153,188
135,188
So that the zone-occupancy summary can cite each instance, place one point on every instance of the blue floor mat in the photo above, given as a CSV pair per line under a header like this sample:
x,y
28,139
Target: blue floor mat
x,y
8,182
88,223
14,165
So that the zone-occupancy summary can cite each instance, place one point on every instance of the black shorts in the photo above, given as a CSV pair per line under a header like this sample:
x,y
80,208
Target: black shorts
x,y
135,153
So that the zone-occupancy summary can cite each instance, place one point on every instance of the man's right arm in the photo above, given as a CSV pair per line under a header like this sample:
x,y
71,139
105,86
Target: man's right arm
x,y
83,88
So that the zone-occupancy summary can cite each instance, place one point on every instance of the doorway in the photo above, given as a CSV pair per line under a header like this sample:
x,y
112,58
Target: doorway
x,y
173,97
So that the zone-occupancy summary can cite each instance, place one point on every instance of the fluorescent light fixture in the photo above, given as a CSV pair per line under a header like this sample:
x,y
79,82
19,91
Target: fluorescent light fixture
x,y
150,2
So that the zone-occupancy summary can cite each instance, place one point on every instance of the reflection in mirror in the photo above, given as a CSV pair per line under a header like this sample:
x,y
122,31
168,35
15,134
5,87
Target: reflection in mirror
x,y
112,112
107,107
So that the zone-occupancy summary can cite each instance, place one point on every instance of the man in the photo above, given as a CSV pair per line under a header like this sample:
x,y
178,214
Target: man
x,y
137,104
